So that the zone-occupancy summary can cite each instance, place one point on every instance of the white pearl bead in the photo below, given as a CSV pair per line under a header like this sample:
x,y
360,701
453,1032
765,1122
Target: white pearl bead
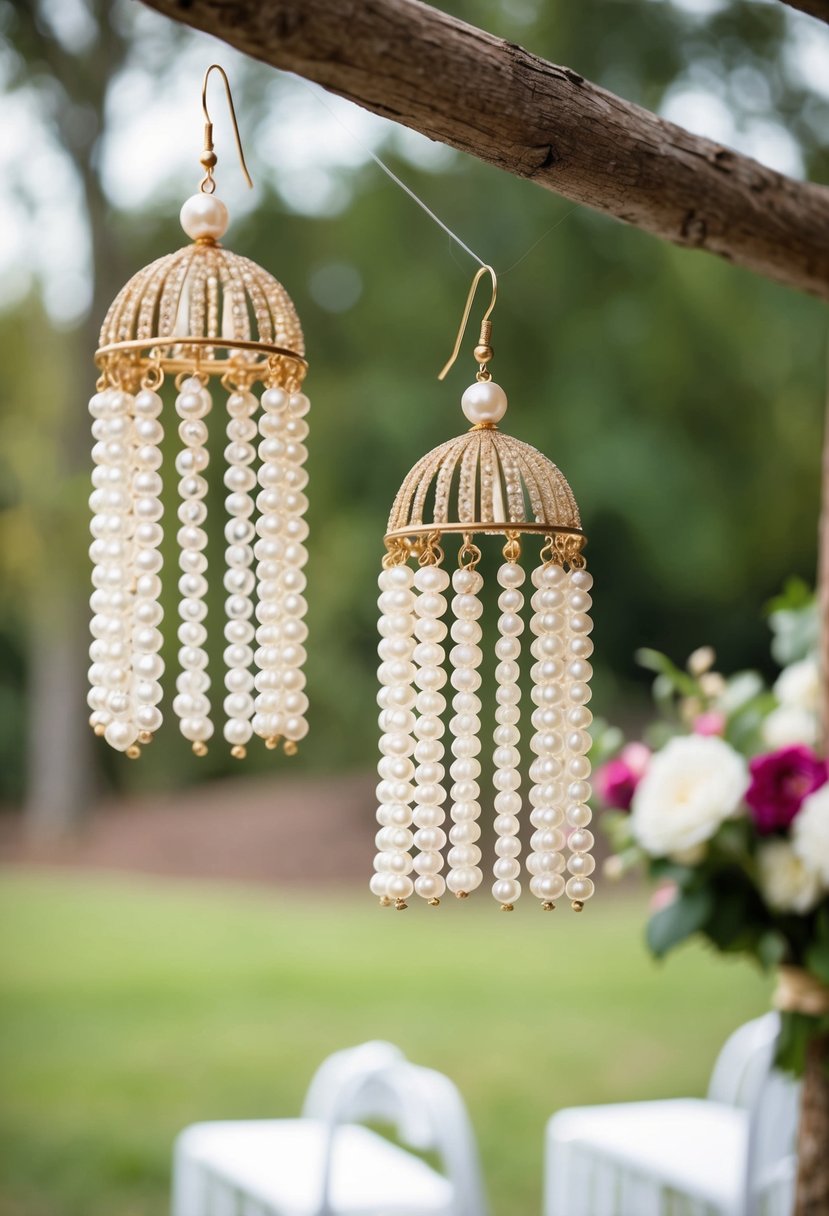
x,y
506,890
484,402
431,578
547,886
579,816
579,888
430,886
204,215
581,864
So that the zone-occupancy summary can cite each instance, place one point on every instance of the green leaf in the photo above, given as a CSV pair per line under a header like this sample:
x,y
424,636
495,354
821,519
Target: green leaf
x,y
771,948
654,660
817,955
678,921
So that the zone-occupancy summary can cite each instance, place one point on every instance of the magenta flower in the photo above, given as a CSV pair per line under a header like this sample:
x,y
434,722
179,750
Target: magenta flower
x,y
712,722
616,781
779,782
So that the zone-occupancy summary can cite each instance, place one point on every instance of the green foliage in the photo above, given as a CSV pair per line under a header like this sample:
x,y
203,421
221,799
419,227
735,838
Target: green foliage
x,y
130,1009
678,920
793,618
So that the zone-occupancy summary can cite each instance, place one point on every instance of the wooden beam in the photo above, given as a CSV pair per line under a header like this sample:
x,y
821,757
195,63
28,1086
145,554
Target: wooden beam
x,y
815,8
495,100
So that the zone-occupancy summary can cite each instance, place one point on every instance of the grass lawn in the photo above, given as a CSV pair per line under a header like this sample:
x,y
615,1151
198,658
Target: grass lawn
x,y
129,1008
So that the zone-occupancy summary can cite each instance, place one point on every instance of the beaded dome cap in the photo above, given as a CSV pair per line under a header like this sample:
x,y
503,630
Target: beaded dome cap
x,y
204,297
484,481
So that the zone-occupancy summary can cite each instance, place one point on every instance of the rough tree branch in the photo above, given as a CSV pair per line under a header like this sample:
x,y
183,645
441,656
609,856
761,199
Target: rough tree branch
x,y
493,99
815,8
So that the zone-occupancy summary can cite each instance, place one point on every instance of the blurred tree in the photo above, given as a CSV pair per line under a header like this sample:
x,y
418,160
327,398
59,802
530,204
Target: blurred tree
x,y
69,67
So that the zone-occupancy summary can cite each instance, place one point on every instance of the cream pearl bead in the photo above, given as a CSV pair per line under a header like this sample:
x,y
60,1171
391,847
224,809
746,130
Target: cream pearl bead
x,y
547,886
467,879
579,889
430,886
204,215
581,841
484,402
506,890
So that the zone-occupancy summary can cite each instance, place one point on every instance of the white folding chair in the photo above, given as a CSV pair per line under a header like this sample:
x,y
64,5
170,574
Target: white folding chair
x,y
730,1154
327,1163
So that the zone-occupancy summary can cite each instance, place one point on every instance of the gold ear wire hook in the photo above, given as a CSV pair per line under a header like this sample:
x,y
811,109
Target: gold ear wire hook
x,y
208,158
483,351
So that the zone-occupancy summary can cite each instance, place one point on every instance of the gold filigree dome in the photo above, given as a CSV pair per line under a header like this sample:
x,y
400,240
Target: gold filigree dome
x,y
204,294
484,481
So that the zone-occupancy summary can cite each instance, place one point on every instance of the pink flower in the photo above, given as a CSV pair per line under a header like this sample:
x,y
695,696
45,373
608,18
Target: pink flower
x,y
710,723
616,781
664,895
779,782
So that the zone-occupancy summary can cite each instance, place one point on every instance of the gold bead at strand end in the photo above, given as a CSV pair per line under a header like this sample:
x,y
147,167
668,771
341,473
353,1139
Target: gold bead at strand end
x,y
238,752
400,904
461,895
273,743
548,906
507,908
577,905
199,748
434,903
99,730
133,751
385,901
145,736
289,747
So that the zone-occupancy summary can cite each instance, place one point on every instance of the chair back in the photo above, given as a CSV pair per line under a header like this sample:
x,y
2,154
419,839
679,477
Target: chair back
x,y
339,1070
745,1076
428,1115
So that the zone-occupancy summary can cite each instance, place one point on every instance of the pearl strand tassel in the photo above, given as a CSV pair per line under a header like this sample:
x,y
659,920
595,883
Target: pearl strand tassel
x,y
239,480
281,703
507,889
192,705
465,874
546,860
430,793
147,663
112,526
395,791
580,864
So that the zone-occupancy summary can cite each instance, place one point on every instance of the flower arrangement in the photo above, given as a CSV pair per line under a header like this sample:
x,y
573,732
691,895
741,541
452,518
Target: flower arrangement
x,y
725,802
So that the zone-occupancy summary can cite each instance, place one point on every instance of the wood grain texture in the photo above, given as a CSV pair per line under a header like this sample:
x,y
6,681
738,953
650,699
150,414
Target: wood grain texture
x,y
495,100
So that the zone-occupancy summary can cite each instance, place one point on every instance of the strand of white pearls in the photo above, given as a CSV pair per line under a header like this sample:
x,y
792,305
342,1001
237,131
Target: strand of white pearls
x,y
391,881
293,605
545,862
430,792
239,480
112,525
465,874
578,671
147,663
281,703
192,705
507,778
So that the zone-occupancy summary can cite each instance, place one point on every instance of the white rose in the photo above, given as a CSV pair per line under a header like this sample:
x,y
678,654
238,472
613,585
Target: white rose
x,y
810,834
689,788
798,686
789,724
786,883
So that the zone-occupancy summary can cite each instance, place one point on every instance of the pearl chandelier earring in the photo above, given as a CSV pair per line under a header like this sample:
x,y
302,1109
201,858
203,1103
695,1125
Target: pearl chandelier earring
x,y
483,483
209,320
